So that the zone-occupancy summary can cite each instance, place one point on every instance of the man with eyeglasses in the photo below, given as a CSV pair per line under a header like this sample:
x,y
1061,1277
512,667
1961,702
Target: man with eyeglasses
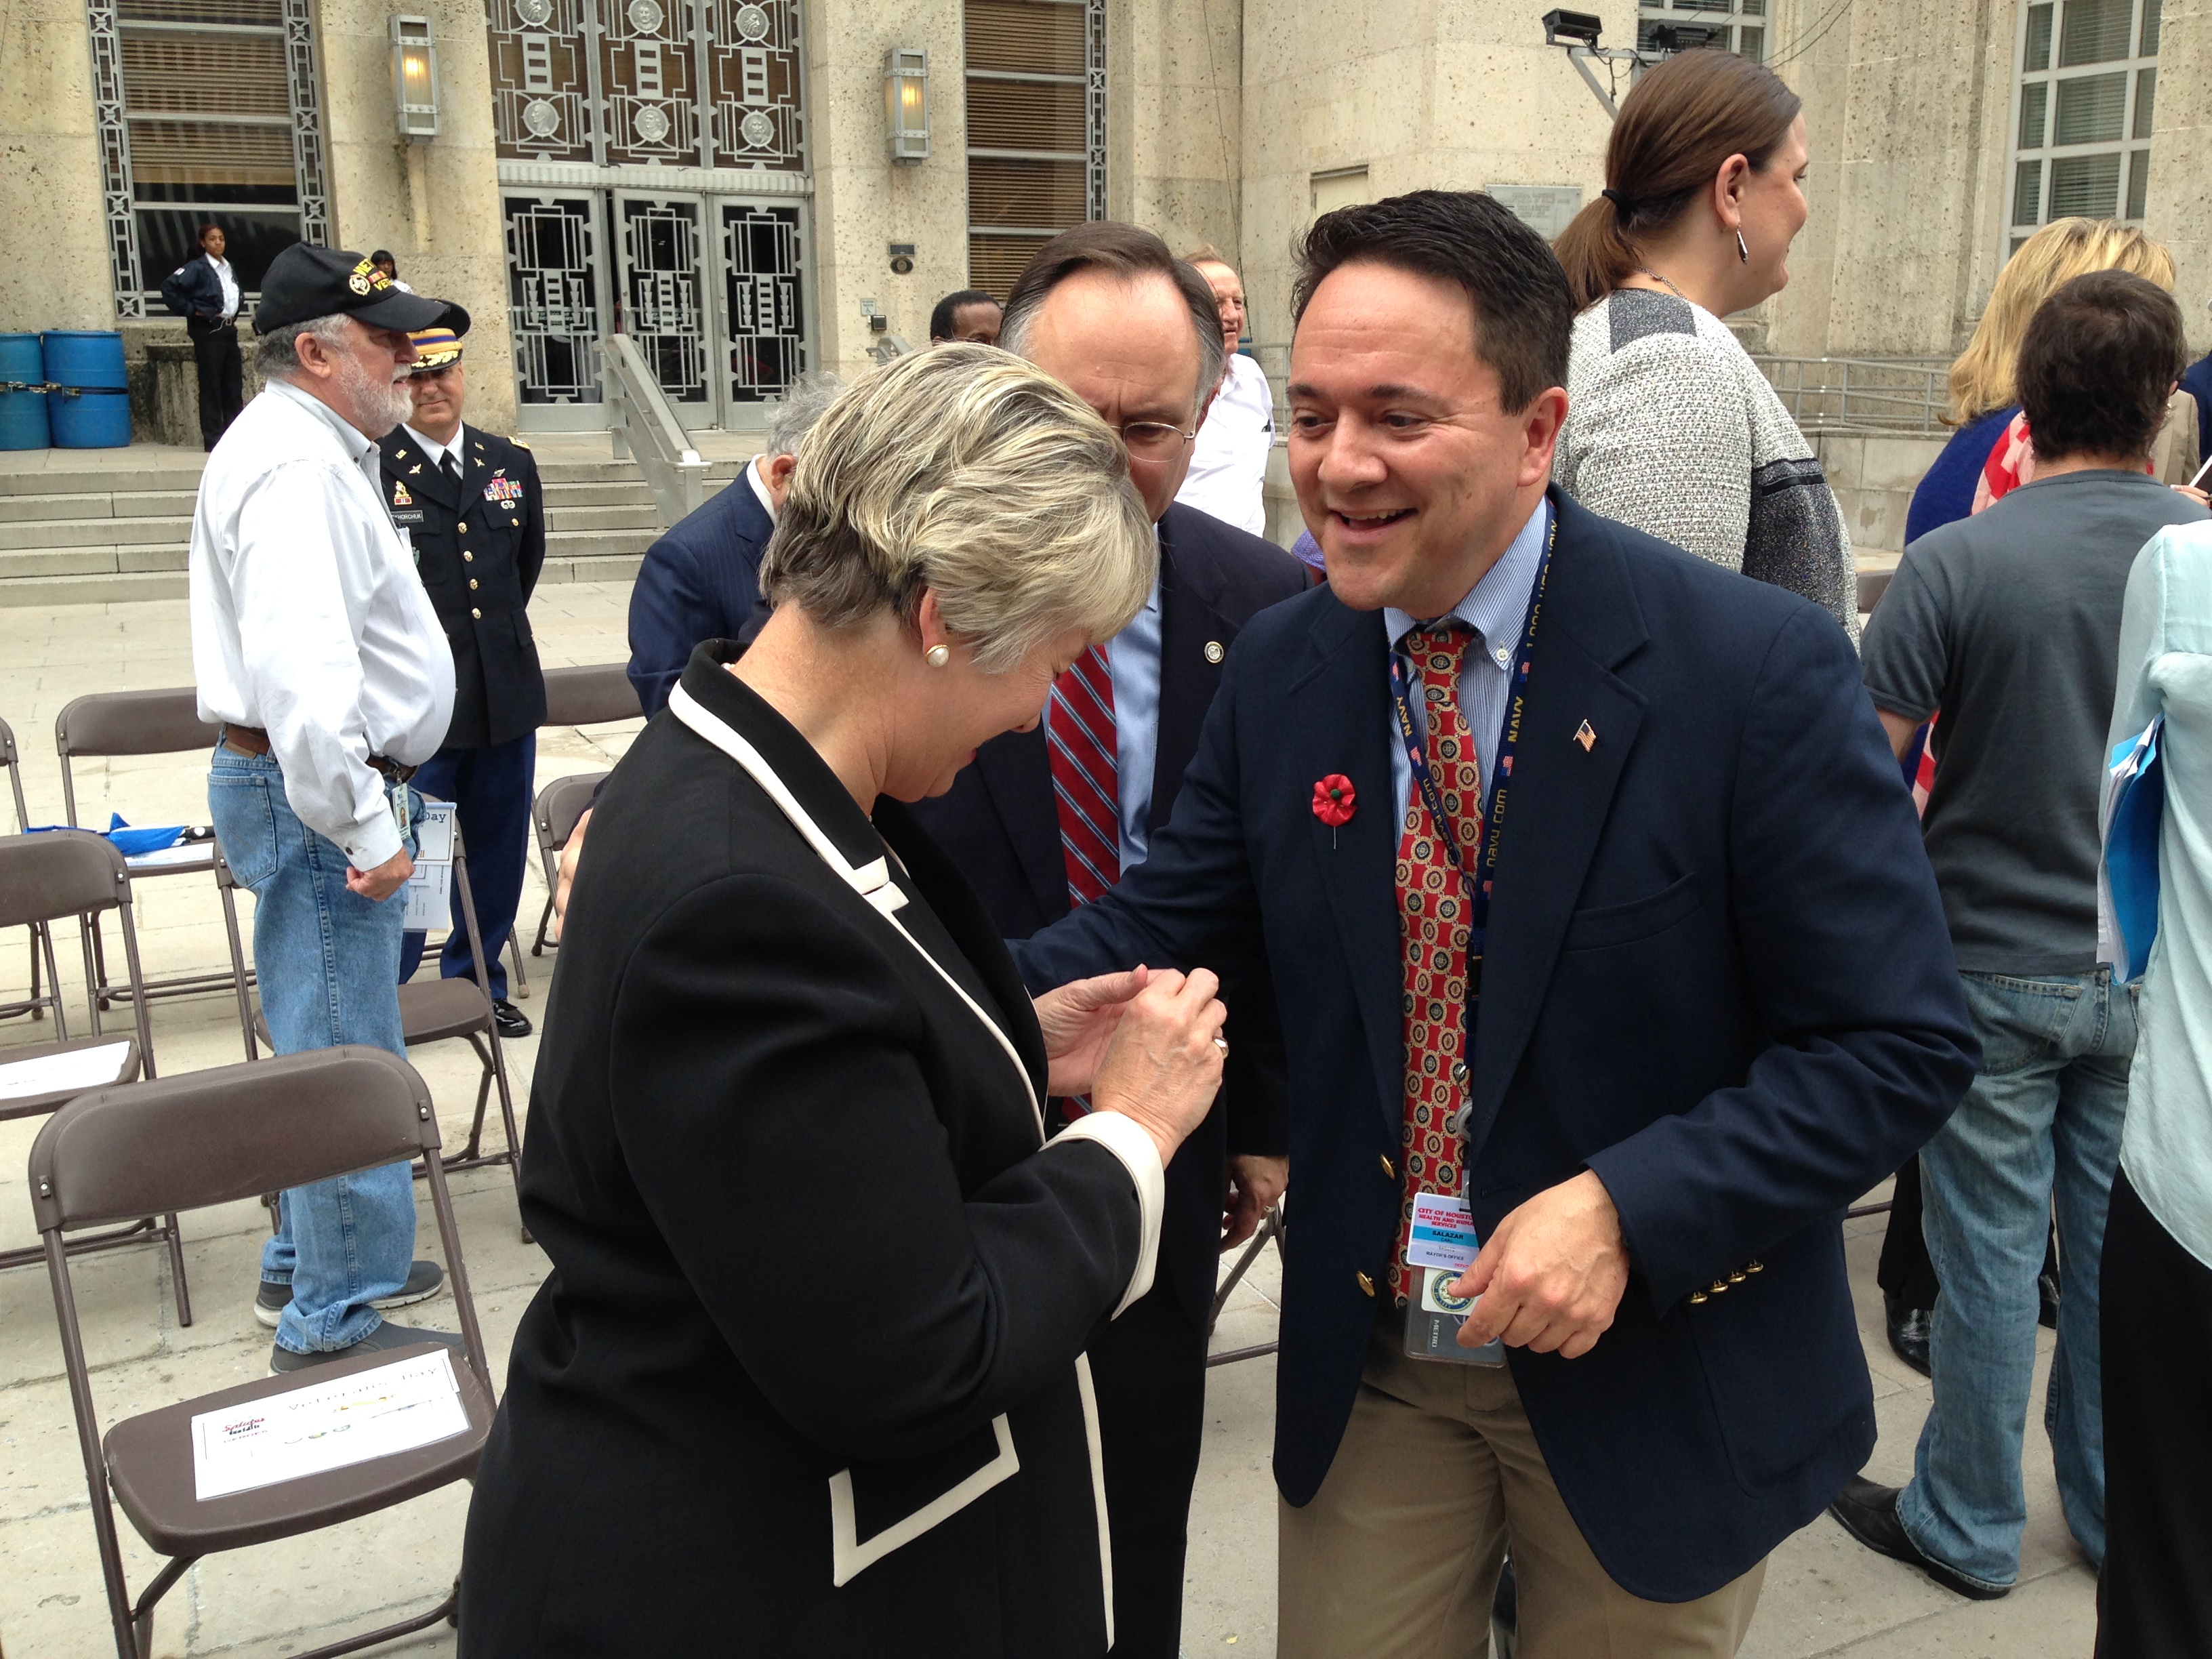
x,y
1049,818
473,510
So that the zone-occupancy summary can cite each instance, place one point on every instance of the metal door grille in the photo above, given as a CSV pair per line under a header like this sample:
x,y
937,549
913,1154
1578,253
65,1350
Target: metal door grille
x,y
761,256
659,242
552,292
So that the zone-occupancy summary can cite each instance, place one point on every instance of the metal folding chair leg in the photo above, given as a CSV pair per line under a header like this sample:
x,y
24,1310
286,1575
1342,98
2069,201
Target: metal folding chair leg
x,y
1270,1228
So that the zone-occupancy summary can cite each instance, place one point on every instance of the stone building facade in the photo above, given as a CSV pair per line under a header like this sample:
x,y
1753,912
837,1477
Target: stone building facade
x,y
713,176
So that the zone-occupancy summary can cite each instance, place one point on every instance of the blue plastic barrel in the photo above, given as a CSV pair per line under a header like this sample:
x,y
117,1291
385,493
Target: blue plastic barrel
x,y
93,408
22,414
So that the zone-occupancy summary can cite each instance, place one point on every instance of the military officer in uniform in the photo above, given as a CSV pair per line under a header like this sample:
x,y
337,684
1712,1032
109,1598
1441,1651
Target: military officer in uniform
x,y
471,503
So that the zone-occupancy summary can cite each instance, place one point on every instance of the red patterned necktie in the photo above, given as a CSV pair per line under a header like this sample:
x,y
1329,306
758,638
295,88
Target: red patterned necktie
x,y
1079,733
1433,931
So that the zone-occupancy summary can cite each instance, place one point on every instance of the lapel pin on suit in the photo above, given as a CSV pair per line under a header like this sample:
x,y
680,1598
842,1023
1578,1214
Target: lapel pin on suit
x,y
1585,737
1214,653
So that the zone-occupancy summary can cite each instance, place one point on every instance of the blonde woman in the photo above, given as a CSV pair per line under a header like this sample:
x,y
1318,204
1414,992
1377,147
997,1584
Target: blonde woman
x,y
1990,455
807,1377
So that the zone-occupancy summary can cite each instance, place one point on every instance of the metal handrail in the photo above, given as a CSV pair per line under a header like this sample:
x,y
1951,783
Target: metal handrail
x,y
1862,394
642,422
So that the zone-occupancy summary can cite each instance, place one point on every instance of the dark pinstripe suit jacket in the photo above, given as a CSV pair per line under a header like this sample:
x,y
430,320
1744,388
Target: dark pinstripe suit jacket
x,y
700,582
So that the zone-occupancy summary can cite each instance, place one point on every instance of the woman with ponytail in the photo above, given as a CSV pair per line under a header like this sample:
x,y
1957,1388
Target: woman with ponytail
x,y
1670,426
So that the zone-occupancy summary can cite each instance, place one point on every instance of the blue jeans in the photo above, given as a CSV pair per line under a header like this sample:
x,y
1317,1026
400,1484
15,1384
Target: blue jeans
x,y
328,962
2041,1122
490,791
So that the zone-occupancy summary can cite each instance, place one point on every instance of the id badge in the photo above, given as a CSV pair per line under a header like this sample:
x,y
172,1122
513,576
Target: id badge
x,y
405,805
1443,1245
1433,1319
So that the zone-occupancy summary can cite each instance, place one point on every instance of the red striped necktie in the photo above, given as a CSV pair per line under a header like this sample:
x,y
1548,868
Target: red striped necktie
x,y
1079,732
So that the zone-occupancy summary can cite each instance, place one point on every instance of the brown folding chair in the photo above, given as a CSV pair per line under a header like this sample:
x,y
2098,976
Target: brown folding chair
x,y
434,1009
110,723
559,805
209,1138
43,879
1274,1226
41,946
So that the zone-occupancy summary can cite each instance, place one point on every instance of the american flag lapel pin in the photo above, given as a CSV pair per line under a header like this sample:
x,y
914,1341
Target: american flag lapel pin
x,y
1585,737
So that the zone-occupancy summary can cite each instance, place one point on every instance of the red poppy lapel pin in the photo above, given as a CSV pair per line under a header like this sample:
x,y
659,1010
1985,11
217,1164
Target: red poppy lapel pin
x,y
1334,800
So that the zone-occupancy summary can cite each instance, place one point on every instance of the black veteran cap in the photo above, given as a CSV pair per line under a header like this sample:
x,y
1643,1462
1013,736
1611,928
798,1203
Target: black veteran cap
x,y
306,282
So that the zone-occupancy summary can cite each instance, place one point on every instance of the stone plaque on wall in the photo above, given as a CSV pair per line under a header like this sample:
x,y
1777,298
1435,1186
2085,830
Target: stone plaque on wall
x,y
1545,209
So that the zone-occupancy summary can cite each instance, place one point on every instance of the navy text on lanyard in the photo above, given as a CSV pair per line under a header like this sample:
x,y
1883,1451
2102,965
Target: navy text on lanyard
x,y
1491,827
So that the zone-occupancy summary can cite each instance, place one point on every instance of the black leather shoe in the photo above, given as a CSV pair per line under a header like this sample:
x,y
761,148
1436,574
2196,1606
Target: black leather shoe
x,y
511,1020
1868,1510
1908,1331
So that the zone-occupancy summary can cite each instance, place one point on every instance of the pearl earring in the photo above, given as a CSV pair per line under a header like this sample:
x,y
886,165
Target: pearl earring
x,y
937,656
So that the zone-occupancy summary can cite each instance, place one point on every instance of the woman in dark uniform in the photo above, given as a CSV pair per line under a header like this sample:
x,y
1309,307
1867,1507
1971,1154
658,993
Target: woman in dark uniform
x,y
807,1377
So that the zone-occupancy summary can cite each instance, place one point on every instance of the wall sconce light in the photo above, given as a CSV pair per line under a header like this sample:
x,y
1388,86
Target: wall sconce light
x,y
906,103
415,77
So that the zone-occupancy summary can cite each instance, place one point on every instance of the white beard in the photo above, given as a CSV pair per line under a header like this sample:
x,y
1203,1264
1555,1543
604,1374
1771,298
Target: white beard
x,y
382,406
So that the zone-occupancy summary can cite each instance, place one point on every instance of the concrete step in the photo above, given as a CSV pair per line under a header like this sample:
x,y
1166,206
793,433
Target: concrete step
x,y
69,560
629,515
93,532
599,543
103,481
620,569
115,586
609,492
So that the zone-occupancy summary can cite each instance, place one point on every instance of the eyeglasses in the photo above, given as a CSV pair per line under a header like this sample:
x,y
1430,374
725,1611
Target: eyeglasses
x,y
1154,441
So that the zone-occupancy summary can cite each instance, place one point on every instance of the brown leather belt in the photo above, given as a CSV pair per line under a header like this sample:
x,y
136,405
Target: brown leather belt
x,y
252,740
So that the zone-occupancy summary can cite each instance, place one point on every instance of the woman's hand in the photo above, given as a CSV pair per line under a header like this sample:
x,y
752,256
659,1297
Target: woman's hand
x,y
1162,1065
1078,1020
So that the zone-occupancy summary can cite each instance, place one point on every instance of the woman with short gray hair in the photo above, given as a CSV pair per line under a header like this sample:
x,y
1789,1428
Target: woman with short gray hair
x,y
809,1366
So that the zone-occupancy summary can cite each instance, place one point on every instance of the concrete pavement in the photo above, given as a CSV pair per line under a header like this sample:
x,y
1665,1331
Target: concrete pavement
x,y
1824,1595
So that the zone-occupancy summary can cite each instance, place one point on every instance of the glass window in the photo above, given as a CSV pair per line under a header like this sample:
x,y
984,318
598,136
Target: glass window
x,y
2095,32
2092,109
1663,25
2087,105
1036,140
2088,186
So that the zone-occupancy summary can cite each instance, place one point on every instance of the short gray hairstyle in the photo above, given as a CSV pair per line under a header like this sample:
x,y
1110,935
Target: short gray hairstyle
x,y
965,471
806,401
278,352
1132,253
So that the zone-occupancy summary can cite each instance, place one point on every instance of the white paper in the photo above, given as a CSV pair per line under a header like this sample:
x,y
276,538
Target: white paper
x,y
189,852
428,905
79,1068
333,1425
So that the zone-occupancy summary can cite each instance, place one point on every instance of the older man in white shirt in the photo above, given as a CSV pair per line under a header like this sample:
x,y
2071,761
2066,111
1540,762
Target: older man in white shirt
x,y
1229,463
317,653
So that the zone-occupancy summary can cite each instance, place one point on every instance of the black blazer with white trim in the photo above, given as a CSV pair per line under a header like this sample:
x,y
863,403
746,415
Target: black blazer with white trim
x,y
806,1375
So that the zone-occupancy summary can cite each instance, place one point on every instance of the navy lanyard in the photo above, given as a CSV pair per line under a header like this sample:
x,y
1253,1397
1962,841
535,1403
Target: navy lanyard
x,y
1490,828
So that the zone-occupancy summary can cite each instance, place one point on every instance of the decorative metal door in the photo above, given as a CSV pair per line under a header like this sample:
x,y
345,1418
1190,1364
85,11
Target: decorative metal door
x,y
555,277
657,255
761,254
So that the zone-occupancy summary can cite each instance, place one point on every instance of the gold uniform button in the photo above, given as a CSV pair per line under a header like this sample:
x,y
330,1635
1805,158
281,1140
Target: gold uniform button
x,y
1389,1168
472,584
1366,1284
468,556
465,528
1698,1296
478,614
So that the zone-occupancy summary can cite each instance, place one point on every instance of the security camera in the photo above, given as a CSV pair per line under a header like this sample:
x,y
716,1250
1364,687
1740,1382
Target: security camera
x,y
1580,28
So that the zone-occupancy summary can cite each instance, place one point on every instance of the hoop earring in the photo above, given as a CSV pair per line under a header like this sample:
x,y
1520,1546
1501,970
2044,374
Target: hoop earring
x,y
1741,251
937,656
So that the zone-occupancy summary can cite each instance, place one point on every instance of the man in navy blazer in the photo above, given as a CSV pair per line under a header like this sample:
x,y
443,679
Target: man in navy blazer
x,y
1714,1000
1131,330
701,580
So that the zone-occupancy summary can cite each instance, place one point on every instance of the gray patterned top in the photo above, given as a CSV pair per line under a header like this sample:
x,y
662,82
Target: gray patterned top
x,y
1672,428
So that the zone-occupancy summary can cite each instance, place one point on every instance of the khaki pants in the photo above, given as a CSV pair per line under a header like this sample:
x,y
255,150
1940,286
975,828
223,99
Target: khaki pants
x,y
1397,1557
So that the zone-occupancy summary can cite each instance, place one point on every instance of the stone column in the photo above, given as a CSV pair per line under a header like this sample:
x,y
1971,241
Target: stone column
x,y
434,205
2178,213
862,201
54,268
1175,120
